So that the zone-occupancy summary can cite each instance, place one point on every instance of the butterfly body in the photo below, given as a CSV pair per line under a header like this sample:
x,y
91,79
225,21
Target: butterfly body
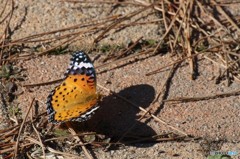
x,y
75,99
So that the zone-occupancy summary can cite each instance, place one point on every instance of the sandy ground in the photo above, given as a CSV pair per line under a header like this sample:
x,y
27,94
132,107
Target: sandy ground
x,y
215,121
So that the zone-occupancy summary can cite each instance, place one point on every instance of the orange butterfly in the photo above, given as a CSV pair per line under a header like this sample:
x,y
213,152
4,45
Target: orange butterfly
x,y
75,99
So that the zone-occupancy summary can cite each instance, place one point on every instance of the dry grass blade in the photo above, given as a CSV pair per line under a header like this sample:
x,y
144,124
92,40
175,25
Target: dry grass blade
x,y
68,136
105,2
219,8
7,132
168,29
112,25
39,138
187,35
181,60
192,99
217,22
62,153
21,128
42,84
79,140
4,8
160,138
6,30
223,66
61,44
125,58
129,48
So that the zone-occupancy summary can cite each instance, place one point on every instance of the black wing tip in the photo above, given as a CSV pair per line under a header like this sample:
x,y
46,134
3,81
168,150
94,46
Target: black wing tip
x,y
80,56
80,62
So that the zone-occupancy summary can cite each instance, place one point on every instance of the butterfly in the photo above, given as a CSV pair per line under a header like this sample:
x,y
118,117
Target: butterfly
x,y
75,99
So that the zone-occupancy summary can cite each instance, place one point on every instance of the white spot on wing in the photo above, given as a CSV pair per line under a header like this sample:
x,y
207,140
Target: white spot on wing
x,y
75,67
86,65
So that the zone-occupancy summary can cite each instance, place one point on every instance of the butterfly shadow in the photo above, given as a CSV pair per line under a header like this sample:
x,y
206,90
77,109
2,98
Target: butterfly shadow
x,y
119,119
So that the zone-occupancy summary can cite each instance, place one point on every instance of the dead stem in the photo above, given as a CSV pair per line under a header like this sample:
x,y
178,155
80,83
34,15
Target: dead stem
x,y
21,127
6,31
78,139
121,54
105,2
62,153
192,99
113,24
181,60
219,8
124,59
42,84
39,137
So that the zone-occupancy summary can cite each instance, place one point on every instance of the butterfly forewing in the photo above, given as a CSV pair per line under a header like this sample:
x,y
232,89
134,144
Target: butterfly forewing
x,y
76,98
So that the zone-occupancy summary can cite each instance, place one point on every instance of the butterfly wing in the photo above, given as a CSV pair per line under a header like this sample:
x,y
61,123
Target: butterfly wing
x,y
75,99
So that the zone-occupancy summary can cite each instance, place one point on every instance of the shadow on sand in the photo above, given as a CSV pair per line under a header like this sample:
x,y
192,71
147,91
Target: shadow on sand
x,y
116,116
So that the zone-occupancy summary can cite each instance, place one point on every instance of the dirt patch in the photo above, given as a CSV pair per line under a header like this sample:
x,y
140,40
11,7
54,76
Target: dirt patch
x,y
214,123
